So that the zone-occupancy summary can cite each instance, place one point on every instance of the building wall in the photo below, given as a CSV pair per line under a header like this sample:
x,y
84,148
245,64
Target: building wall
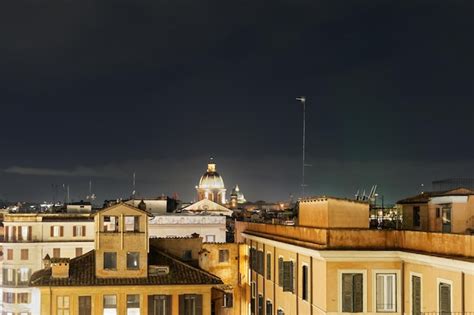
x,y
49,306
407,210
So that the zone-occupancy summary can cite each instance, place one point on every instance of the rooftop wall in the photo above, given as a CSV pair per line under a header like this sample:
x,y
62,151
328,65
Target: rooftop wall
x,y
363,239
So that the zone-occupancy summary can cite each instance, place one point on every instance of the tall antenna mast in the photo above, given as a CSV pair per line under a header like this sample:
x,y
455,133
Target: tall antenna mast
x,y
302,99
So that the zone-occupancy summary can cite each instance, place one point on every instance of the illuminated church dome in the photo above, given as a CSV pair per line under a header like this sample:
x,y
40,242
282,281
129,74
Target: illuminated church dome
x,y
211,185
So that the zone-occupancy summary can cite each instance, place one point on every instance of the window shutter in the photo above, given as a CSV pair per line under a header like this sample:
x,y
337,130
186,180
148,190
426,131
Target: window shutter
x,y
61,231
51,230
83,230
151,305
347,293
358,293
416,295
20,234
13,233
269,267
287,276
74,233
444,298
269,308
6,233
181,305
280,272
198,304
380,288
30,233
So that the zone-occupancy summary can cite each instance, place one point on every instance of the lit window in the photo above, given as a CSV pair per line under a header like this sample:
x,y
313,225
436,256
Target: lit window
x,y
210,238
79,230
110,305
62,305
133,260
131,224
110,224
133,304
223,255
24,275
386,289
56,231
110,260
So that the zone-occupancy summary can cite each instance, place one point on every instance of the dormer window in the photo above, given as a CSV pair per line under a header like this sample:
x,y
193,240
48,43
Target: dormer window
x,y
111,224
131,224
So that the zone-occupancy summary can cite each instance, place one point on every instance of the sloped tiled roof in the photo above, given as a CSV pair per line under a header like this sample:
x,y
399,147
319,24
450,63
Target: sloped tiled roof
x,y
82,273
426,196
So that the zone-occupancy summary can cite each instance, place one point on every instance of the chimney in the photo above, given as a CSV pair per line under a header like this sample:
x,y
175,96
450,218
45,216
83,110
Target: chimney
x,y
60,267
47,261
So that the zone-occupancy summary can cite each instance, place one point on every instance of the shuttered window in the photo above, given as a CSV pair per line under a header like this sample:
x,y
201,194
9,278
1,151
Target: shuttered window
x,y
190,304
280,271
9,254
304,283
228,300
352,292
260,304
269,266
85,305
133,304
288,276
260,268
159,305
444,298
386,289
110,305
269,308
416,295
253,259
56,252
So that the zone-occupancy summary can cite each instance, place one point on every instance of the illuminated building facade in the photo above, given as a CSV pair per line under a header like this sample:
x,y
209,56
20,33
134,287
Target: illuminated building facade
x,y
211,185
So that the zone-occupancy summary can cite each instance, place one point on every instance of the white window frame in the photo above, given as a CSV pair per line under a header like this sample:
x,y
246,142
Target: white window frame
x,y
438,282
56,228
24,232
397,289
212,236
339,288
416,274
24,271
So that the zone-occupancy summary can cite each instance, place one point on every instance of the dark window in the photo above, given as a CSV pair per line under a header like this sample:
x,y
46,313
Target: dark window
x,y
438,212
304,276
416,216
269,266
187,255
280,271
190,304
159,305
253,259
280,312
223,255
444,298
288,276
352,294
110,260
269,308
133,260
416,295
22,298
85,305
133,303
260,267
228,300
260,304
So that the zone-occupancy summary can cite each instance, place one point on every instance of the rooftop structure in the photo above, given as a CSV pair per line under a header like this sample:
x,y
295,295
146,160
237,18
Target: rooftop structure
x,y
211,185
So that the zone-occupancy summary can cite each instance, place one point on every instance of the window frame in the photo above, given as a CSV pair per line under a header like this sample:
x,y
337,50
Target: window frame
x,y
340,272
62,309
223,261
268,266
106,268
398,292
138,260
450,283
419,275
132,307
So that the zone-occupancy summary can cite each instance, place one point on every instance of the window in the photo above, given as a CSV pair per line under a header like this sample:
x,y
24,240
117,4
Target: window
x,y
79,230
187,255
210,238
352,292
190,304
438,212
24,254
223,255
280,312
110,305
133,304
56,252
260,304
252,295
269,266
110,260
133,260
288,276
159,305
131,224
9,297
24,233
416,295
416,216
62,305
85,305
78,251
260,268
22,298
110,224
23,275
269,308
280,271
227,300
57,231
9,276
9,254
444,298
386,290
253,259
304,280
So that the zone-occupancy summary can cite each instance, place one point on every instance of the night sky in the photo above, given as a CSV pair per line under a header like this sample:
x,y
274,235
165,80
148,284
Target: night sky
x,y
100,89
